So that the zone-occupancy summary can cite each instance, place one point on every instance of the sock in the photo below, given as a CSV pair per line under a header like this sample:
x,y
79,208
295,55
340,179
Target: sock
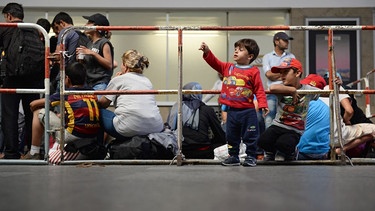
x,y
34,150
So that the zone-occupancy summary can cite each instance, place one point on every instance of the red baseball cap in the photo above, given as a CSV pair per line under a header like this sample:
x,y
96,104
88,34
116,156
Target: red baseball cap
x,y
286,64
314,80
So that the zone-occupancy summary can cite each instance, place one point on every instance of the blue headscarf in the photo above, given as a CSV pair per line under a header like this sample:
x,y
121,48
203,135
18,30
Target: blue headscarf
x,y
190,108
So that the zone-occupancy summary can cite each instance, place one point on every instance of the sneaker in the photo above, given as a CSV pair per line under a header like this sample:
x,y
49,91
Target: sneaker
x,y
280,157
28,156
250,161
231,161
269,156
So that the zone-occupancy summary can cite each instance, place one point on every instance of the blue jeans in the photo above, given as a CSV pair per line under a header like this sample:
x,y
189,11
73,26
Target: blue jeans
x,y
99,87
272,106
306,156
106,121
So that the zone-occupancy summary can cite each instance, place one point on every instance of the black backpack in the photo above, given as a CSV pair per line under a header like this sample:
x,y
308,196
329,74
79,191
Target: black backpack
x,y
25,54
138,147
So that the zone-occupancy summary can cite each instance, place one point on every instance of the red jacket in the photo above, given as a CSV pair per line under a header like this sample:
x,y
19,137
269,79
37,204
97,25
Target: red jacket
x,y
240,83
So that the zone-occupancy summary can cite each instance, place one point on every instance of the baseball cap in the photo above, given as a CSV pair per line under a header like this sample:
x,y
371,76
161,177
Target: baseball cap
x,y
98,19
286,64
314,80
281,35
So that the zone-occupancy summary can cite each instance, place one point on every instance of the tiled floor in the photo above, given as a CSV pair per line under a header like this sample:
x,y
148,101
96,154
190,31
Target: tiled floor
x,y
187,187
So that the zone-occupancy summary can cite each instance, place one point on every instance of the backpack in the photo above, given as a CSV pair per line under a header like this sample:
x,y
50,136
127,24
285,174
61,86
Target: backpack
x,y
138,147
91,148
25,54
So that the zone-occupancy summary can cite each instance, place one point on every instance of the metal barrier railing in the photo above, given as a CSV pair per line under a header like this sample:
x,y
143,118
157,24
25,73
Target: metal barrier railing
x,y
367,87
44,91
333,92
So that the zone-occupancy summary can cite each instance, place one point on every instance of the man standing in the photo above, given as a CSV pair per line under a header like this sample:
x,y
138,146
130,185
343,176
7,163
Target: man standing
x,y
274,58
61,23
13,13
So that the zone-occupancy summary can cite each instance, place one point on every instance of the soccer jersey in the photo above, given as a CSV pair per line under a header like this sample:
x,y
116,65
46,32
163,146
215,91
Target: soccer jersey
x,y
81,113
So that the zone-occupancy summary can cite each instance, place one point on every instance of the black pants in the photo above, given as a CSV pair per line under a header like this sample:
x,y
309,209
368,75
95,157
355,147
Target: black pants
x,y
9,113
279,139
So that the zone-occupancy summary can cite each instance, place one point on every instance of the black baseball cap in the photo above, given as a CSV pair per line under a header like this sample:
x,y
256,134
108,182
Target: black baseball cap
x,y
98,19
281,35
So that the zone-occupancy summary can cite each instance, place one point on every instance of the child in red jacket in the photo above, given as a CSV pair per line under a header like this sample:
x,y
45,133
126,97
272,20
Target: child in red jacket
x,y
241,81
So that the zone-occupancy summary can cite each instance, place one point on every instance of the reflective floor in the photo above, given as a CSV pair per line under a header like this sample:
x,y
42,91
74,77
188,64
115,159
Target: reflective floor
x,y
188,187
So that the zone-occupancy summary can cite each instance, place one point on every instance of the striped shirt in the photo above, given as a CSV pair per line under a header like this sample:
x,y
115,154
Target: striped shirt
x,y
81,113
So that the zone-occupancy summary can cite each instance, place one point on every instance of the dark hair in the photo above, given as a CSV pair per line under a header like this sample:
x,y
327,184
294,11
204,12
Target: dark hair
x,y
62,16
15,9
76,73
44,23
251,47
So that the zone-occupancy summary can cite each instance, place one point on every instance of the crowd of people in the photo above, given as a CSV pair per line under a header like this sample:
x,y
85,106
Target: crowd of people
x,y
280,126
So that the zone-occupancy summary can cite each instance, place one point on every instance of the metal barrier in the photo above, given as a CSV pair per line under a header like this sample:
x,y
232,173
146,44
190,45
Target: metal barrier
x,y
333,92
44,91
367,87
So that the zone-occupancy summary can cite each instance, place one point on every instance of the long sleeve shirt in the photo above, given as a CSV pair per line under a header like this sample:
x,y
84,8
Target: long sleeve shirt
x,y
240,83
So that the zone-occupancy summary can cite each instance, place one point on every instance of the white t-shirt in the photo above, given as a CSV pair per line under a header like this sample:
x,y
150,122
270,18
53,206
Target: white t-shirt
x,y
135,114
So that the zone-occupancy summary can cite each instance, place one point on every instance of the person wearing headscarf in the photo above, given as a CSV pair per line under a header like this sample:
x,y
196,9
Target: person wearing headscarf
x,y
201,130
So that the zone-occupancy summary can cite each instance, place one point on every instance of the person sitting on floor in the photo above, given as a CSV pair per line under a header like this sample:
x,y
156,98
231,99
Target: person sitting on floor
x,y
81,117
352,135
201,128
314,142
134,115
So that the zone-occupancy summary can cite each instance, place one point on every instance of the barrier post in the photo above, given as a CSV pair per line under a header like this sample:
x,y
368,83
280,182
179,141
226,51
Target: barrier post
x,y
44,91
179,157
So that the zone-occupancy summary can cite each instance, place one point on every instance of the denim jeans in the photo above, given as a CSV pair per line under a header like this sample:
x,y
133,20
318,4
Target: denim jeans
x,y
306,156
106,121
272,106
99,87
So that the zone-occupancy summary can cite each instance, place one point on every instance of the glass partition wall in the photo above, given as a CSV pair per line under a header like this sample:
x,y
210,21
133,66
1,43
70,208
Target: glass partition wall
x,y
161,47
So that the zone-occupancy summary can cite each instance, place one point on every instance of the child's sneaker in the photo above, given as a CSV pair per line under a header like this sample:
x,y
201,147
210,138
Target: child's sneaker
x,y
231,161
250,161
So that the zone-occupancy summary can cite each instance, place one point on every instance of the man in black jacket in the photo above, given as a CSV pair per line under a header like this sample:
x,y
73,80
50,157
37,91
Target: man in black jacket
x,y
13,13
